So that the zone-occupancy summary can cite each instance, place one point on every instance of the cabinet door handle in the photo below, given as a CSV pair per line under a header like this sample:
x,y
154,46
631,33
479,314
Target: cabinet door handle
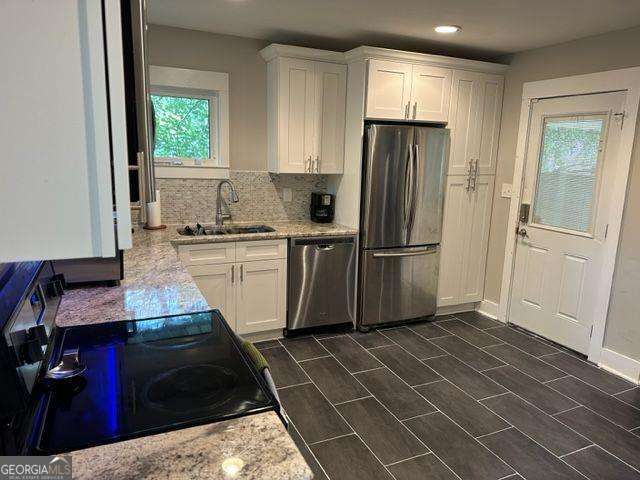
x,y
241,273
308,165
406,110
415,109
469,174
317,164
233,273
475,174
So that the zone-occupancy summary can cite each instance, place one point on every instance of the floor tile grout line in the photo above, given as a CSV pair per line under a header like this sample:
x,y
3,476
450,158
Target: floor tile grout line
x,y
497,431
595,443
578,450
314,358
310,451
414,356
475,328
493,368
351,426
410,458
600,390
624,391
332,438
494,396
362,371
442,379
352,400
564,411
554,379
392,414
418,416
294,385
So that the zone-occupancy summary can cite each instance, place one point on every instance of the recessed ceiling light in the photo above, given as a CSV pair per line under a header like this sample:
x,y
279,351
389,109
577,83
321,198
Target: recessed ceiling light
x,y
447,28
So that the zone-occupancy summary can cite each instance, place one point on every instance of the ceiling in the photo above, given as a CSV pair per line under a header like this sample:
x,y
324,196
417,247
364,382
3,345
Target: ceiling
x,y
490,27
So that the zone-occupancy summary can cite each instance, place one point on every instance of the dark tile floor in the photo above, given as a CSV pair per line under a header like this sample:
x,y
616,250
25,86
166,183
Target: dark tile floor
x,y
463,397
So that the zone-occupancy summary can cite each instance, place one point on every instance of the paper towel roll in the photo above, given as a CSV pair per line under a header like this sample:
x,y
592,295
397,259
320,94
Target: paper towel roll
x,y
154,212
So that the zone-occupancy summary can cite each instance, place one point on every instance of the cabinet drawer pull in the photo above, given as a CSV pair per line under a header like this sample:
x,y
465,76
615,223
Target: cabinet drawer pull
x,y
241,273
233,273
415,109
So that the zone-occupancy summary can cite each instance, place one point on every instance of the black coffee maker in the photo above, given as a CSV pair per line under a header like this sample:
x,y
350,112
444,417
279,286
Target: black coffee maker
x,y
322,207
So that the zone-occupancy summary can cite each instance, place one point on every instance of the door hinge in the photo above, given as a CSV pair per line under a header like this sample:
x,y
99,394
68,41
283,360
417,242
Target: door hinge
x,y
620,116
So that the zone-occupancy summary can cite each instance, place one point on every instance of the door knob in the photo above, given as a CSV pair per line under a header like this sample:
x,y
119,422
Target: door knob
x,y
522,232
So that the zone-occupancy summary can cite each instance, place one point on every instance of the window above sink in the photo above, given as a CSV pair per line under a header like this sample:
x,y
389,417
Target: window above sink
x,y
191,115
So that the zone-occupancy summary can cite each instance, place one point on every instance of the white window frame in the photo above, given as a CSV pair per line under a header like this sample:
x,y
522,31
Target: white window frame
x,y
213,86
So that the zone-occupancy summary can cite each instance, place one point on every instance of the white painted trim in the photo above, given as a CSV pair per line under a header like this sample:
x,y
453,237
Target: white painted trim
x,y
366,52
276,50
488,308
191,171
205,82
628,80
620,364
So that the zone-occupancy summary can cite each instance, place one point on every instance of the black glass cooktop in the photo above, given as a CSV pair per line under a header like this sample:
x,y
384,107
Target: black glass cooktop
x,y
145,377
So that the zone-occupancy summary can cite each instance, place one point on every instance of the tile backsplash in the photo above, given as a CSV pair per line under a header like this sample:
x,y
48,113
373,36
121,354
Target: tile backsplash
x,y
261,197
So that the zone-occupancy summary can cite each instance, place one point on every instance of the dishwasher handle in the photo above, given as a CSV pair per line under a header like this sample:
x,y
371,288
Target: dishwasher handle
x,y
325,247
411,253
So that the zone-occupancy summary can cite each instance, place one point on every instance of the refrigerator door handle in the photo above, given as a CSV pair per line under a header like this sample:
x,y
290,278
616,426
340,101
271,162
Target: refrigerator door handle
x,y
414,191
411,253
408,181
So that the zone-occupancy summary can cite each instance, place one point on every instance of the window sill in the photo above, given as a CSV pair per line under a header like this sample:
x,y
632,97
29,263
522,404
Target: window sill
x,y
191,171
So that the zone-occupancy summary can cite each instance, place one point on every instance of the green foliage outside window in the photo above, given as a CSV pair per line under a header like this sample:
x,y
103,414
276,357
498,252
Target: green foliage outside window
x,y
182,127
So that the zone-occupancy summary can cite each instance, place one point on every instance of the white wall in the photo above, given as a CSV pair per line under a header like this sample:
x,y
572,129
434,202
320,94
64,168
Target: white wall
x,y
603,52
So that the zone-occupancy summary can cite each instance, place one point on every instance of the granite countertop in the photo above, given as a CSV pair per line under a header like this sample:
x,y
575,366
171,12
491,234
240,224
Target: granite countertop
x,y
258,445
156,283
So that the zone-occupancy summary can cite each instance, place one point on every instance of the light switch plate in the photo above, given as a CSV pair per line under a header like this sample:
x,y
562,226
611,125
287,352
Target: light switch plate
x,y
287,195
506,191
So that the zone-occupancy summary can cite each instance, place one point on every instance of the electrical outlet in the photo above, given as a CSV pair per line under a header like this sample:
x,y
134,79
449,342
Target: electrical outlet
x,y
507,190
287,195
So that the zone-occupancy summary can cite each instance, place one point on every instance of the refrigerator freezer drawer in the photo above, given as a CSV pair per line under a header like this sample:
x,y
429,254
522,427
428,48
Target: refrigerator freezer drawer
x,y
398,284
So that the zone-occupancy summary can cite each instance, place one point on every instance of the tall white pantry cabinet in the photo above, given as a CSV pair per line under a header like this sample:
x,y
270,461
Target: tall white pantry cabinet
x,y
476,105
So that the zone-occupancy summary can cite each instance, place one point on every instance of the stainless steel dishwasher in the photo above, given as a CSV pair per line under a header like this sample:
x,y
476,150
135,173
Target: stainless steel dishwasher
x,y
321,281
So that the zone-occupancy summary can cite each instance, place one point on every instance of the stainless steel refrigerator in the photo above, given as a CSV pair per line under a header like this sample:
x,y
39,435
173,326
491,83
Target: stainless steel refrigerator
x,y
401,222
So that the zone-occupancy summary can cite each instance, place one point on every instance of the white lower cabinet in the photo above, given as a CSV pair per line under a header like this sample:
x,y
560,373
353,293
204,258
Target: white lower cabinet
x,y
465,237
248,284
261,299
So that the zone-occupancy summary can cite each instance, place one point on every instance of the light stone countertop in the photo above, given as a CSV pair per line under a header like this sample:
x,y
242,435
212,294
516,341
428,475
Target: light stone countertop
x,y
156,283
257,444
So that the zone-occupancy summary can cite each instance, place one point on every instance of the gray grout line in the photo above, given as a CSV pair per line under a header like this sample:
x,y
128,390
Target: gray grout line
x,y
494,396
578,450
497,431
310,451
332,438
422,414
624,391
493,368
353,400
478,401
407,459
361,371
441,379
314,358
294,385
554,379
347,423
509,476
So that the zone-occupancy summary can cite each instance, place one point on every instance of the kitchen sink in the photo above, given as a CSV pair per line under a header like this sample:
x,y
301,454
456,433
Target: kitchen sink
x,y
200,230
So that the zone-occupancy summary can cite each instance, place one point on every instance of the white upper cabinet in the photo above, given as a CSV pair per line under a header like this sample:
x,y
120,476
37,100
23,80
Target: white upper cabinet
x,y
476,105
430,93
59,137
402,91
331,85
388,89
305,111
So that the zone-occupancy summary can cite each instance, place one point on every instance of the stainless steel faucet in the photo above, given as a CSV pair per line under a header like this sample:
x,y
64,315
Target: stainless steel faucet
x,y
233,198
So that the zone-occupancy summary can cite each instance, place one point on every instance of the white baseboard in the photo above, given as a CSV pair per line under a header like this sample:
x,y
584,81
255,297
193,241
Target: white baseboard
x,y
620,364
488,308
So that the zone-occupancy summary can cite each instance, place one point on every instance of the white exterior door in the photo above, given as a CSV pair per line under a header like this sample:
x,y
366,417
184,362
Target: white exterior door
x,y
261,296
217,285
297,115
569,171
430,93
388,90
331,87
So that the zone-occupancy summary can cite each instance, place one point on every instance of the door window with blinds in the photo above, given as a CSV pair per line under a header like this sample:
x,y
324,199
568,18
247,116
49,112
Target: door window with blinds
x,y
568,173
